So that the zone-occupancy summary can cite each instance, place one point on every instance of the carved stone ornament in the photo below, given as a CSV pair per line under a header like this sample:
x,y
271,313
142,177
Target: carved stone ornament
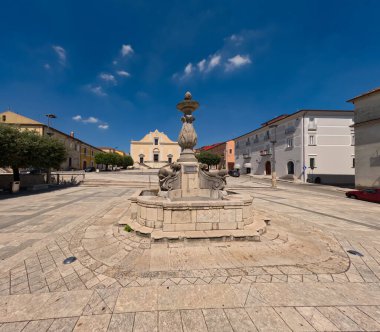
x,y
170,179
208,180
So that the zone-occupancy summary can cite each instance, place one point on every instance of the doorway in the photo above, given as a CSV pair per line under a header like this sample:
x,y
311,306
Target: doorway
x,y
84,164
290,168
268,168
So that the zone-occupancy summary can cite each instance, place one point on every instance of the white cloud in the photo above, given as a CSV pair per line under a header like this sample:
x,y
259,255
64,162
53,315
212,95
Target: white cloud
x,y
126,49
47,66
61,53
123,73
214,61
97,90
201,65
237,61
108,78
77,118
90,119
188,69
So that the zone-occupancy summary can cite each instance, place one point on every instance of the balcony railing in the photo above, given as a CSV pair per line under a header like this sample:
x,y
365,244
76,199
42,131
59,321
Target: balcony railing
x,y
290,130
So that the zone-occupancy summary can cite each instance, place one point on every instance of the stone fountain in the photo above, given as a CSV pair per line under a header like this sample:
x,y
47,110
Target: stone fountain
x,y
191,201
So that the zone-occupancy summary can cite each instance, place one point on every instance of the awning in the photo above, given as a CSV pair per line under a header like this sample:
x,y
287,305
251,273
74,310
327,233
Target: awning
x,y
247,165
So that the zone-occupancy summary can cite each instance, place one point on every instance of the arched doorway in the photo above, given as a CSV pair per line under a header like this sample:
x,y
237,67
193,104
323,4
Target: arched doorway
x,y
290,168
268,168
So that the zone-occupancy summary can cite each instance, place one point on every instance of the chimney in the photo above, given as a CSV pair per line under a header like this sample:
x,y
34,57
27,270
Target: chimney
x,y
71,134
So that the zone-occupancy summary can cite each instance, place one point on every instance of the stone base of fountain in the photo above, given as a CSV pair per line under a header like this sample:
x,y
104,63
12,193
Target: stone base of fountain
x,y
230,217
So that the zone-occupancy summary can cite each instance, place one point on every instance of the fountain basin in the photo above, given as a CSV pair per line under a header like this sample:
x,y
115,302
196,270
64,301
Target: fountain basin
x,y
203,213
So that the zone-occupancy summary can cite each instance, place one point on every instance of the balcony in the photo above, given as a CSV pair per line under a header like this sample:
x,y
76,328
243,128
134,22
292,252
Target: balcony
x,y
290,130
265,153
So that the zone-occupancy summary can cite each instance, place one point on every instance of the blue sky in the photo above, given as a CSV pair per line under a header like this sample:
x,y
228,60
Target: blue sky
x,y
114,70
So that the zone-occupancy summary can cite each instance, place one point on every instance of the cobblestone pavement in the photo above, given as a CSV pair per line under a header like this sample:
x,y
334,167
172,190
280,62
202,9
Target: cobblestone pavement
x,y
299,277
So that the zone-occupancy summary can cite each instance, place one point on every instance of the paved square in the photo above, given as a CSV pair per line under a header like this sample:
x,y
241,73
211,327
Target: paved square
x,y
298,278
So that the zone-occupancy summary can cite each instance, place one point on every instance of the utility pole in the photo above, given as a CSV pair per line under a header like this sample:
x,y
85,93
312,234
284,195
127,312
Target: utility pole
x,y
273,141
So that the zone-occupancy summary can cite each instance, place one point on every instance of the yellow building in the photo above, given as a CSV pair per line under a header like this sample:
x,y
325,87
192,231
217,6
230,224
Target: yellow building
x,y
113,150
155,150
79,154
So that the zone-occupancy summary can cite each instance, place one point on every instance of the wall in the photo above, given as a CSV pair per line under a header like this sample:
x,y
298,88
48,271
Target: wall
x,y
25,179
367,151
367,141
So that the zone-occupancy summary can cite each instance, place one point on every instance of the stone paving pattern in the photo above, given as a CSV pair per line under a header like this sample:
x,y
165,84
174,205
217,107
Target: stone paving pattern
x,y
299,278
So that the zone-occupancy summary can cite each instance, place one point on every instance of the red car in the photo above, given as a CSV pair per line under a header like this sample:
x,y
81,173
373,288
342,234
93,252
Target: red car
x,y
370,195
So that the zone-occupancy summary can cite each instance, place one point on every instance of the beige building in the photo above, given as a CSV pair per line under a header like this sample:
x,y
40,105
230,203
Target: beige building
x,y
155,150
79,154
367,139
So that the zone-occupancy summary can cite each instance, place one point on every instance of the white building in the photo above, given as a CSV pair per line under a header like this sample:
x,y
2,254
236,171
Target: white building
x,y
310,145
367,140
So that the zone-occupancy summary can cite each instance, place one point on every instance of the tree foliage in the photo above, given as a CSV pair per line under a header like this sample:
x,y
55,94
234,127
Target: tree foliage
x,y
22,149
114,159
208,158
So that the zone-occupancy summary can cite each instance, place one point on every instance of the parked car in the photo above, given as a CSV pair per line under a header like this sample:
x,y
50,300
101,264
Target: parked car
x,y
370,195
89,169
234,172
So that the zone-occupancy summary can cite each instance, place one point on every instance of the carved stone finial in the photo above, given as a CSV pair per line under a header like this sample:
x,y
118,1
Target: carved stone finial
x,y
188,95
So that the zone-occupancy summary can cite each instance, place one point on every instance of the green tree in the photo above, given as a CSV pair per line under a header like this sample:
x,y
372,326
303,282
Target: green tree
x,y
109,158
208,158
127,161
21,149
101,158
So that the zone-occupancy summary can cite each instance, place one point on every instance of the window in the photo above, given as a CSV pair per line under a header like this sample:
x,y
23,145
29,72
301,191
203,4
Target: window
x,y
141,160
170,160
289,142
267,135
4,118
256,140
85,151
230,151
352,139
156,141
311,140
155,157
92,152
353,162
248,142
312,163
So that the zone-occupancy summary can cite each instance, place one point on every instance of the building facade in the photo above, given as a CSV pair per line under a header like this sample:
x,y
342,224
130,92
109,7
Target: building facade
x,y
309,145
154,151
79,154
367,139
226,150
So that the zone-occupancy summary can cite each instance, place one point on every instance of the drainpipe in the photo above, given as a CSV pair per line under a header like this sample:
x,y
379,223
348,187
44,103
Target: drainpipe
x,y
303,148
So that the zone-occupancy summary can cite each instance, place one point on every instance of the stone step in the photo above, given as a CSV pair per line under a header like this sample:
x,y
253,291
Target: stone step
x,y
225,235
160,235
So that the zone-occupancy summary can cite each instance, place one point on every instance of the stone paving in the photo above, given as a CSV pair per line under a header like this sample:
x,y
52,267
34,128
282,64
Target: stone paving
x,y
299,278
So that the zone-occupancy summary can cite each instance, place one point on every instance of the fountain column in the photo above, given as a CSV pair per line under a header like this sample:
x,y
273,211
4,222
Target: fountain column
x,y
187,139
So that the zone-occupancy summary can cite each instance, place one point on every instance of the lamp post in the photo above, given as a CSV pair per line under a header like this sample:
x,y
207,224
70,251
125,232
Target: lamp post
x,y
273,141
50,116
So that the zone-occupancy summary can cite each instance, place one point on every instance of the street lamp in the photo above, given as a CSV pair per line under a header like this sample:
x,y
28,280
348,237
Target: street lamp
x,y
273,141
50,116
